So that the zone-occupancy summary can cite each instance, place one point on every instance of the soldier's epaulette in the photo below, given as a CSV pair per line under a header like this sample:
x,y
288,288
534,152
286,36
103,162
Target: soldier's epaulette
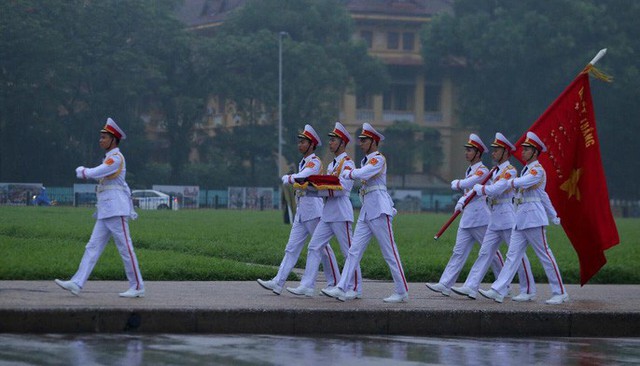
x,y
509,167
347,158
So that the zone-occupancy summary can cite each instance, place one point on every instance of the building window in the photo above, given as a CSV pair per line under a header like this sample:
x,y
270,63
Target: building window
x,y
399,98
364,100
408,39
367,37
393,40
432,96
405,97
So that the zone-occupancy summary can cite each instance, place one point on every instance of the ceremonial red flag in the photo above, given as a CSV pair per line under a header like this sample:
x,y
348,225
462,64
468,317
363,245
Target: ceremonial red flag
x,y
575,176
320,182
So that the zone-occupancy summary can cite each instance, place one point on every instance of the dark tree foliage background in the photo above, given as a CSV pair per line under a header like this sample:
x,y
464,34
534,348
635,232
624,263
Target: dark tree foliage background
x,y
511,59
65,66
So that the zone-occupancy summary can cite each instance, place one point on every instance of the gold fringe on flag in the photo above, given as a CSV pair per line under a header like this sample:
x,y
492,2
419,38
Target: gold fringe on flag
x,y
320,182
318,186
597,73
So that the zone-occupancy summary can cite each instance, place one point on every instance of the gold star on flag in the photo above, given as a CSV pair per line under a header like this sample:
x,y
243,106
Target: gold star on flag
x,y
571,185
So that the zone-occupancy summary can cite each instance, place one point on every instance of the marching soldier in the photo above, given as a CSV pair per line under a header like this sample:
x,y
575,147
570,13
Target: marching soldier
x,y
533,206
114,208
307,217
474,221
500,200
337,217
376,216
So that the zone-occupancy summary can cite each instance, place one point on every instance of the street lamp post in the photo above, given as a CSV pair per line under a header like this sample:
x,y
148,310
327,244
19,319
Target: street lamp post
x,y
280,35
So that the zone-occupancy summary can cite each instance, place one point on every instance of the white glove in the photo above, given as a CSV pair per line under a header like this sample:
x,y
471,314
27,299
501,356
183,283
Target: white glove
x,y
478,189
454,184
346,174
556,220
285,179
459,207
79,171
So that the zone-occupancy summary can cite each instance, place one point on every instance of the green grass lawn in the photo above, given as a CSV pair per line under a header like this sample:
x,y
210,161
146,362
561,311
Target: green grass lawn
x,y
42,243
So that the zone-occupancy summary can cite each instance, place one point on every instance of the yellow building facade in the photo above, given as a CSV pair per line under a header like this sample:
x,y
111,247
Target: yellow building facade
x,y
391,29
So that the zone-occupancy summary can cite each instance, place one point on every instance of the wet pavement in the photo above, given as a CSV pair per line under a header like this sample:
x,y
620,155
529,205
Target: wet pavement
x,y
246,308
168,349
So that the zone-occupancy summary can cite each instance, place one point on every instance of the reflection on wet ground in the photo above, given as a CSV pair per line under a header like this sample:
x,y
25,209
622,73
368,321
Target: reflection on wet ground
x,y
126,350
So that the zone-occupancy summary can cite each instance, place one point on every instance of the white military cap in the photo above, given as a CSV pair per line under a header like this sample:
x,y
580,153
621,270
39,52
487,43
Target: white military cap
x,y
475,141
310,134
369,132
534,141
112,128
341,132
503,142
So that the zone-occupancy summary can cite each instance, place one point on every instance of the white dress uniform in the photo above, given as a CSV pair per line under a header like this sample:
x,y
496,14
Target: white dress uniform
x,y
500,200
533,206
336,219
375,219
114,208
473,224
306,220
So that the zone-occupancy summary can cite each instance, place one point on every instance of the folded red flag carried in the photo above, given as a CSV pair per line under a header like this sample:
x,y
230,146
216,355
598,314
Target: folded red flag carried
x,y
319,182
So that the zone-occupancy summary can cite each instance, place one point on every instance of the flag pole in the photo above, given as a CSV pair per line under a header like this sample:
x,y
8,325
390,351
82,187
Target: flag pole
x,y
464,204
598,56
590,68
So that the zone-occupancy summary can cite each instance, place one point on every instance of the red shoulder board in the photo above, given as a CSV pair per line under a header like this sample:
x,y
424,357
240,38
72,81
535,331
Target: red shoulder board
x,y
310,164
373,161
479,173
109,161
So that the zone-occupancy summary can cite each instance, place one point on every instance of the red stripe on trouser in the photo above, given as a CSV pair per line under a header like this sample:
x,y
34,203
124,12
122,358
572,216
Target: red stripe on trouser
x,y
131,256
393,248
526,273
500,258
355,273
333,270
553,262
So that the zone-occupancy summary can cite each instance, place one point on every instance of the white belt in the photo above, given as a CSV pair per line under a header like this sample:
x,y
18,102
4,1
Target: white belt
x,y
102,188
366,190
522,200
494,202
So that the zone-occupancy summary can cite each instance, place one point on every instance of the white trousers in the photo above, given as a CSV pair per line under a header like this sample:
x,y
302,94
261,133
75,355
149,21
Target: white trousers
x,y
319,245
537,237
490,244
117,228
298,235
379,227
465,238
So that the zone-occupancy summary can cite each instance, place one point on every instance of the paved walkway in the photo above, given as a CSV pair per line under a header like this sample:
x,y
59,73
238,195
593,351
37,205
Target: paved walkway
x,y
245,307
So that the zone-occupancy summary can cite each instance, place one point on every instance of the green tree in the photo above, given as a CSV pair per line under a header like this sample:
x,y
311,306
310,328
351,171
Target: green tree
x,y
405,143
30,78
320,63
243,152
511,59
66,67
